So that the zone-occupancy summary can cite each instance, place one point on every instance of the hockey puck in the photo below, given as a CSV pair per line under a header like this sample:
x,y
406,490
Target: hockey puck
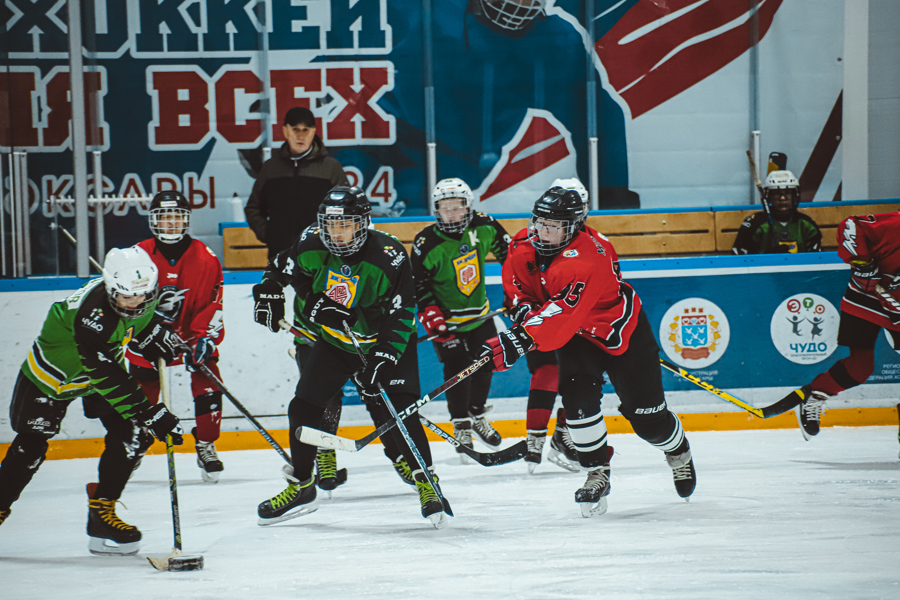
x,y
186,563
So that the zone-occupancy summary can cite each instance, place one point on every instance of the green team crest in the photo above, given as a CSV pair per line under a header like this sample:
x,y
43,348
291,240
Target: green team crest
x,y
468,275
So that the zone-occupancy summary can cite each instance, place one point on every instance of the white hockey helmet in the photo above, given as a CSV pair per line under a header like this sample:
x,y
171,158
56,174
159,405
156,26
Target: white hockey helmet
x,y
575,185
457,189
781,180
130,273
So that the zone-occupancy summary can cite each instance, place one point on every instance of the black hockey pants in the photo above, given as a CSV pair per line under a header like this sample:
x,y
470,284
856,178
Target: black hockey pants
x,y
469,395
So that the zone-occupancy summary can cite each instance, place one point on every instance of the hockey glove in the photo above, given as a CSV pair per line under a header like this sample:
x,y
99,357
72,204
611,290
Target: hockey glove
x,y
367,378
268,307
508,347
521,312
433,321
160,342
864,276
202,351
161,422
322,310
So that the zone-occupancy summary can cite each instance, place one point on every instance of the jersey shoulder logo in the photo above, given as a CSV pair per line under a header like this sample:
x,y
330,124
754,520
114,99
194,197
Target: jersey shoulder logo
x,y
570,253
341,289
468,275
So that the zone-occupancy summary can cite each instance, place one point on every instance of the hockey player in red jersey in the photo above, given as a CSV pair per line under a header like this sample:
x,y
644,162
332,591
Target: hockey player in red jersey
x,y
594,321
190,284
871,246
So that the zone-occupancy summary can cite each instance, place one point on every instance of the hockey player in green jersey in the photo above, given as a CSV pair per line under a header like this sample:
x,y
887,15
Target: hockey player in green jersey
x,y
448,267
80,353
349,274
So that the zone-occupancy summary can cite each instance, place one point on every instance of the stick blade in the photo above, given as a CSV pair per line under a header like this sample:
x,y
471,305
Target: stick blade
x,y
314,437
501,457
176,561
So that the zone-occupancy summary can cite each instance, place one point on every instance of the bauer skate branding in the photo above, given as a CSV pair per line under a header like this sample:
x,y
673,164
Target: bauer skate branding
x,y
694,333
804,328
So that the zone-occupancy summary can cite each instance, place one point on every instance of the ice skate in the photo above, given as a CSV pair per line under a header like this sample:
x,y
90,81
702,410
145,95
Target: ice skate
x,y
683,473
3,515
534,441
297,499
403,470
591,497
462,431
810,410
562,452
107,533
432,507
328,476
208,461
484,429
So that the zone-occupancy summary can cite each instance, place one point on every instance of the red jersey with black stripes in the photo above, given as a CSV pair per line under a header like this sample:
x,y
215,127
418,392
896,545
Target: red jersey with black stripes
x,y
190,295
872,238
580,292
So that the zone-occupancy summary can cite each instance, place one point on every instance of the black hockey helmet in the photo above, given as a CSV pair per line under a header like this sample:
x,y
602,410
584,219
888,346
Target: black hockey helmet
x,y
344,208
165,205
555,220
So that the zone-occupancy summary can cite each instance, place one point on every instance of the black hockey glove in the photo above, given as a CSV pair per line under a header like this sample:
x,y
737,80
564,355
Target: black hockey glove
x,y
322,310
268,307
367,378
161,422
864,276
518,314
508,347
160,342
203,350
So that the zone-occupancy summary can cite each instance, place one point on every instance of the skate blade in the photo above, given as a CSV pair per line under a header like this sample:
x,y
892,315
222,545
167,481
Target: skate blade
x,y
438,519
559,459
300,511
104,547
531,467
176,561
593,509
209,477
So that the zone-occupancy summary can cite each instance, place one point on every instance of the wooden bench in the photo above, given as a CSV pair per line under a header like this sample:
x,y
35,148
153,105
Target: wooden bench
x,y
827,215
241,248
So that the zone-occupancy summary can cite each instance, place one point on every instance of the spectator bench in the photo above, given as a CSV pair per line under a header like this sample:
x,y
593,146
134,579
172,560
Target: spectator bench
x,y
634,233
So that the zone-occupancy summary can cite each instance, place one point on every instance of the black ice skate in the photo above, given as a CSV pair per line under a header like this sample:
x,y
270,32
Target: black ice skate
x,y
462,431
592,495
208,461
328,476
534,441
3,515
484,429
403,470
432,507
810,410
297,499
683,472
562,452
108,534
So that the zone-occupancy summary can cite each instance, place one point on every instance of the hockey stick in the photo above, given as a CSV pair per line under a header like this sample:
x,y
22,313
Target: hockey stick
x,y
887,297
75,243
176,561
314,437
759,188
487,459
489,315
783,405
403,430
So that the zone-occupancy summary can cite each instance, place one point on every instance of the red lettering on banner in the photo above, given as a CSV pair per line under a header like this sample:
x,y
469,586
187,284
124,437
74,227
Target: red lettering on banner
x,y
190,191
132,186
165,182
182,117
285,84
226,111
357,86
16,120
59,115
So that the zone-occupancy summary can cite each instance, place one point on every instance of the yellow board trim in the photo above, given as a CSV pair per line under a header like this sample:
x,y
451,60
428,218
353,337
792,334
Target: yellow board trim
x,y
731,421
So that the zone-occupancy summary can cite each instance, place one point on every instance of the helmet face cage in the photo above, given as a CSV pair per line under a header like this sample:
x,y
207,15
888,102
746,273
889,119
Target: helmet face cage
x,y
360,233
452,189
567,227
512,14
779,182
564,209
131,313
163,233
128,273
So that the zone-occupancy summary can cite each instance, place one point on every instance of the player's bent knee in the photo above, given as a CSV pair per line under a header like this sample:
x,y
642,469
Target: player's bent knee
x,y
581,394
208,403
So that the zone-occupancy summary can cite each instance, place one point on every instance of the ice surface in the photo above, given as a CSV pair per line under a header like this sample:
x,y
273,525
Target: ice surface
x,y
773,516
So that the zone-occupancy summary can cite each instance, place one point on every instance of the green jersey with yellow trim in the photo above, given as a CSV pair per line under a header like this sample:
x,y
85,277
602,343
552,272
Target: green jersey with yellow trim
x,y
81,351
449,269
376,283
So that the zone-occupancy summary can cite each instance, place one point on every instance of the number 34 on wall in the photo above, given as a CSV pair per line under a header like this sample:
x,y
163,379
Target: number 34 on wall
x,y
380,190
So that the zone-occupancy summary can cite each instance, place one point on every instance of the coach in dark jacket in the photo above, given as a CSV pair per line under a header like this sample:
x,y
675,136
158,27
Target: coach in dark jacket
x,y
291,185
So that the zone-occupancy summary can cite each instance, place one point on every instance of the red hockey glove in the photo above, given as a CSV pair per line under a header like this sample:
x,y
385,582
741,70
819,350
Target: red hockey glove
x,y
864,276
435,324
508,347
